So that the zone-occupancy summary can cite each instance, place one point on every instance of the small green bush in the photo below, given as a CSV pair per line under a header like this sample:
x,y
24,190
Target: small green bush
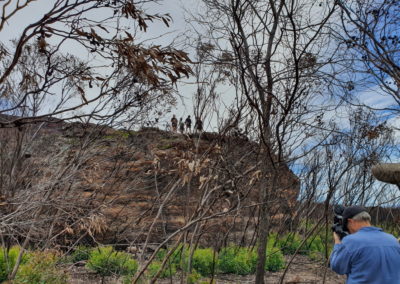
x,y
237,260
275,260
315,244
169,270
194,277
40,267
316,247
290,243
81,253
161,254
243,261
127,279
273,240
7,261
204,261
106,262
176,257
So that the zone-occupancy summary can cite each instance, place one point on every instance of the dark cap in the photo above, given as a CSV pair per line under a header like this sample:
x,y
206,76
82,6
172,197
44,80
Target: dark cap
x,y
352,211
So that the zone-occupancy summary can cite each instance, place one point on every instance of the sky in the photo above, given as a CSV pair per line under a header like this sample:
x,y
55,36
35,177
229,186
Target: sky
x,y
157,33
160,34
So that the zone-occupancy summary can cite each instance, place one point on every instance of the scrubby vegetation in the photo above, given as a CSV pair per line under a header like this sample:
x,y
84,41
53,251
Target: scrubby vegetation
x,y
106,262
41,266
232,259
7,261
289,243
81,253
36,267
314,247
237,260
155,266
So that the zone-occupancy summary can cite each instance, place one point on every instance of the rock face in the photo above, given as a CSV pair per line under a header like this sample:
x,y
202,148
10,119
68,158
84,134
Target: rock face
x,y
128,187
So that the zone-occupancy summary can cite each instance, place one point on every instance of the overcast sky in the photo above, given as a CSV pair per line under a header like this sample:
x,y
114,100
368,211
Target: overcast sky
x,y
164,36
157,33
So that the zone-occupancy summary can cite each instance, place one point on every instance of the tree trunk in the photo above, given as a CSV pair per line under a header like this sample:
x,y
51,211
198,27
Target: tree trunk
x,y
263,235
267,185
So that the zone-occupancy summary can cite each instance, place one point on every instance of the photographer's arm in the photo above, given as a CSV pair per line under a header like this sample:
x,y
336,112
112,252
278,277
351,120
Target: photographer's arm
x,y
336,238
340,257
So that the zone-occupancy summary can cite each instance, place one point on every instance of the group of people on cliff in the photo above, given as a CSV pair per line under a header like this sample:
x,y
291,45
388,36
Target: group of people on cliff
x,y
186,126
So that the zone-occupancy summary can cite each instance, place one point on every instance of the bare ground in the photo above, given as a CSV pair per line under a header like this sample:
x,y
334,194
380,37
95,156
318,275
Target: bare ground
x,y
302,271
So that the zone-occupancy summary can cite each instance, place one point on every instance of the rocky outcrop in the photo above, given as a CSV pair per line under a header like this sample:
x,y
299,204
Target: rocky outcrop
x,y
133,186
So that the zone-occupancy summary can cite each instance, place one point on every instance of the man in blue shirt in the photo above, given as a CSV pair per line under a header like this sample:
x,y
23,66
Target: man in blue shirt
x,y
367,255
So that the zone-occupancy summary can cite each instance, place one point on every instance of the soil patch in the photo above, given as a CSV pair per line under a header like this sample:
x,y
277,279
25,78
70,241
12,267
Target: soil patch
x,y
302,271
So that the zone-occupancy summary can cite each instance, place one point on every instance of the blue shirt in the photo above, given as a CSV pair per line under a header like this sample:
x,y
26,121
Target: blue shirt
x,y
368,256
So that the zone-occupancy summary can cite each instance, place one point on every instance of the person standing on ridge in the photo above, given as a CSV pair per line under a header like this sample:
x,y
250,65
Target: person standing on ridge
x,y
188,123
198,126
174,123
181,126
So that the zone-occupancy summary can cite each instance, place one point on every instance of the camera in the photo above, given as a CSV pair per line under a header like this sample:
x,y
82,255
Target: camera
x,y
339,224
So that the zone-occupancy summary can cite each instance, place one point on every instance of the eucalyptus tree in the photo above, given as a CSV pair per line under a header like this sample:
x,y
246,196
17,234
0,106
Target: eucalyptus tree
x,y
279,51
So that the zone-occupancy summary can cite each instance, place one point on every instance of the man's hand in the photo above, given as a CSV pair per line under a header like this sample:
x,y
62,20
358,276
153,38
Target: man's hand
x,y
336,238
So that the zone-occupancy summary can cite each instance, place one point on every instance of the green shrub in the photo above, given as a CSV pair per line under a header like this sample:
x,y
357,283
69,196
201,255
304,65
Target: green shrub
x,y
127,279
237,260
243,261
176,257
315,244
290,243
7,261
169,270
204,261
161,254
273,240
313,247
105,261
275,260
80,253
316,247
193,278
40,267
